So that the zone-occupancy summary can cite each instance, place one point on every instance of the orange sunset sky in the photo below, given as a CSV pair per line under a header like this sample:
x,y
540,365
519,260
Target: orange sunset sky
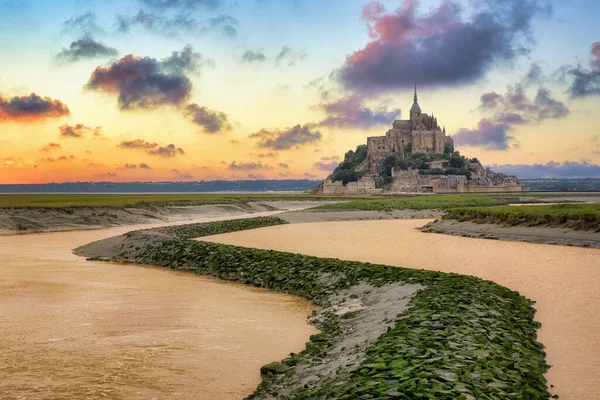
x,y
153,90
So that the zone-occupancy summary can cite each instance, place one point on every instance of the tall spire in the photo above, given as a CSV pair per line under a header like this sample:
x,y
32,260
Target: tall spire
x,y
415,90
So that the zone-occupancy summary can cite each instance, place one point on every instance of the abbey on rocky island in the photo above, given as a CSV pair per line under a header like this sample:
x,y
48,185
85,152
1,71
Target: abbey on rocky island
x,y
419,134
415,156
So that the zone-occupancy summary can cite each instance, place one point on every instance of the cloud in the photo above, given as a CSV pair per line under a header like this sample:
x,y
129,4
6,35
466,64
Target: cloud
x,y
515,107
285,139
309,176
107,175
167,151
211,121
183,175
447,46
251,56
50,146
85,48
249,166
137,144
86,24
288,57
144,166
152,148
77,131
31,108
283,166
326,166
350,112
184,4
175,25
263,155
552,169
489,135
66,158
147,82
586,82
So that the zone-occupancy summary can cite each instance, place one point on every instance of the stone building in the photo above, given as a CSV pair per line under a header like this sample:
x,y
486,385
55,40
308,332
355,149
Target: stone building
x,y
365,185
419,134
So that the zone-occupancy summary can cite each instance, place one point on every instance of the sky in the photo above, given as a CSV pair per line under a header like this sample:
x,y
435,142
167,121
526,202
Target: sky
x,y
184,90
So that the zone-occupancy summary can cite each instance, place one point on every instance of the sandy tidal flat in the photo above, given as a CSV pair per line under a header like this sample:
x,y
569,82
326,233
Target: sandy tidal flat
x,y
562,280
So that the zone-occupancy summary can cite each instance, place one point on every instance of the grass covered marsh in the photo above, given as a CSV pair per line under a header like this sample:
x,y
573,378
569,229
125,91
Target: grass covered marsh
x,y
462,337
574,216
421,202
121,200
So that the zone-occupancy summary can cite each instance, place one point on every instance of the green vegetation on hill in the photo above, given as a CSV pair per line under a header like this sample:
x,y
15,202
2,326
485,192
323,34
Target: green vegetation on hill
x,y
420,202
347,170
462,337
122,200
574,216
454,164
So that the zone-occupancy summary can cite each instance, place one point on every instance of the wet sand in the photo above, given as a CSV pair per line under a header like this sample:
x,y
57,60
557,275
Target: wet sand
x,y
562,280
74,329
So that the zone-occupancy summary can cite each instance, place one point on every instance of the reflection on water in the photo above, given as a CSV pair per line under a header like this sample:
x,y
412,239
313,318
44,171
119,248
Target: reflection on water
x,y
565,281
73,329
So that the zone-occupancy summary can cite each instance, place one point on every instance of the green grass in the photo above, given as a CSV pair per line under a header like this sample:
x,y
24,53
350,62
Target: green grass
x,y
462,337
423,202
574,216
120,200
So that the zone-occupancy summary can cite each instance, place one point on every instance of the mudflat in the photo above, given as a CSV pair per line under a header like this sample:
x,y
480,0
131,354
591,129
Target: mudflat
x,y
562,280
533,234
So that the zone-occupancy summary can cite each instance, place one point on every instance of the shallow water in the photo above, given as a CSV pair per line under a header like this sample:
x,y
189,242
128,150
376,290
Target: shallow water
x,y
74,329
564,281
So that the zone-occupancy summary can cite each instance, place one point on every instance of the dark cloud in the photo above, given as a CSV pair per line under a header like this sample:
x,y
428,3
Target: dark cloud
x,y
350,112
447,46
85,48
283,165
130,166
249,166
585,82
288,57
211,121
552,169
30,108
137,144
167,151
251,56
489,135
285,139
152,148
147,82
50,146
326,166
515,107
78,131
144,166
85,24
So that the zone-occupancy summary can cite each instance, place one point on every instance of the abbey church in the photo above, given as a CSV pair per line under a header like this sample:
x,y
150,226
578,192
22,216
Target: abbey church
x,y
419,134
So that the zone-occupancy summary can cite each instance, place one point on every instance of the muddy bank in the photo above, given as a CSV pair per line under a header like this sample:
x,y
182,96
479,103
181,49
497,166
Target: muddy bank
x,y
386,332
42,219
533,234
301,216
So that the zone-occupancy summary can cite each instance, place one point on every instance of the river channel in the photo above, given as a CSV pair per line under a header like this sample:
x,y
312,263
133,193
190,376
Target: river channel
x,y
75,329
